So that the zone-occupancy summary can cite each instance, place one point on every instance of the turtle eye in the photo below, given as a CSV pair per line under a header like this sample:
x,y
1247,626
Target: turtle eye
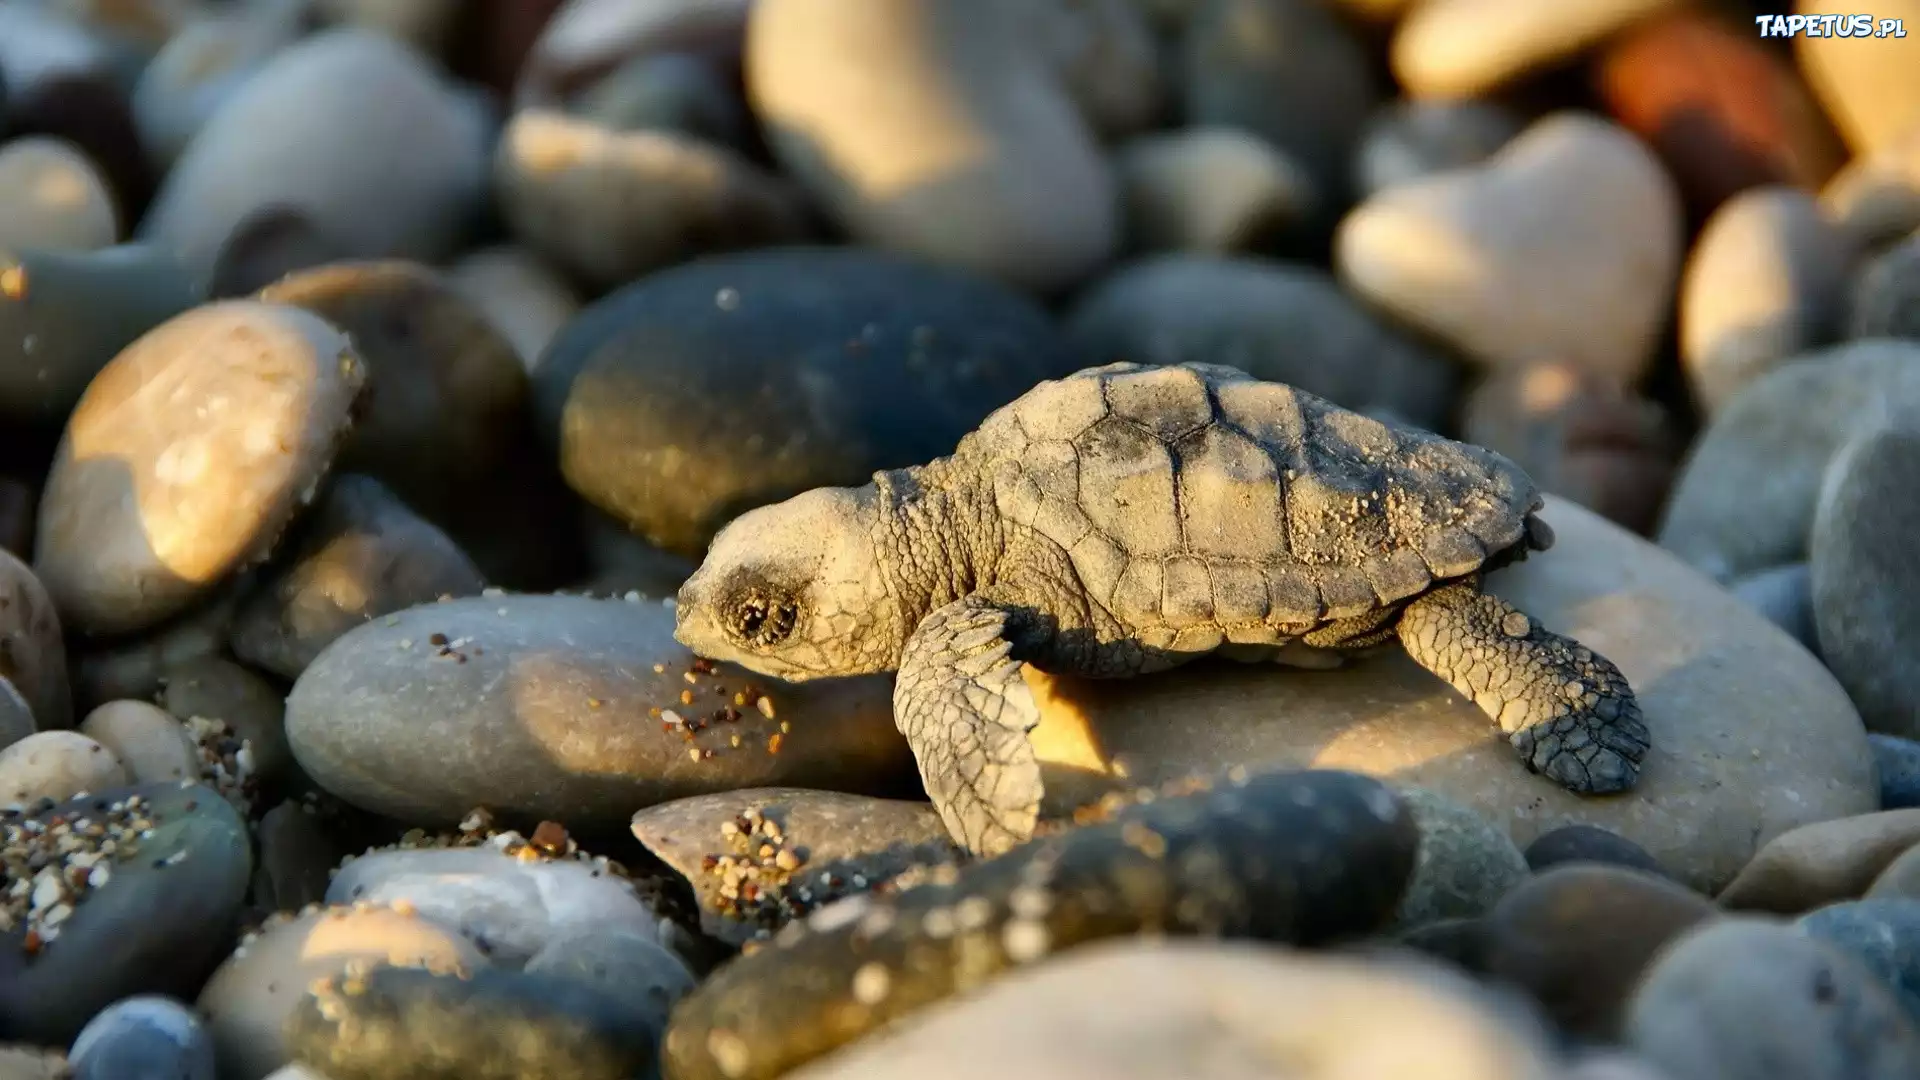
x,y
763,621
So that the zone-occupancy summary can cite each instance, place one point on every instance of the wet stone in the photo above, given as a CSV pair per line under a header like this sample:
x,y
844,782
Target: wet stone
x,y
145,1037
219,689
33,654
297,856
1578,937
152,916
754,857
362,554
1884,935
397,1023
1899,764
569,708
862,361
1296,857
1589,844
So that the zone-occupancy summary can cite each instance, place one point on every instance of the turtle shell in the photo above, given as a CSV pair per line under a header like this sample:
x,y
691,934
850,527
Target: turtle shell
x,y
1197,497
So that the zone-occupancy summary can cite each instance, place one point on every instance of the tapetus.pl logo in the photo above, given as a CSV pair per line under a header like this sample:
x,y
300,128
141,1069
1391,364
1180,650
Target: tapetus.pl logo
x,y
1841,26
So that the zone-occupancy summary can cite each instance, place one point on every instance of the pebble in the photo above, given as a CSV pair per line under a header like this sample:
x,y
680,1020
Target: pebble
x,y
1746,497
585,37
145,1037
29,1063
133,667
33,653
1883,935
396,1023
56,765
148,742
609,206
1886,294
1106,57
1464,864
1784,595
1274,320
1263,1012
1751,736
509,905
568,708
1722,109
363,554
65,315
672,91
298,853
260,393
1452,49
1564,246
53,199
743,852
1334,852
1900,880
1899,767
1409,140
1750,999
643,975
348,127
427,25
1589,844
1459,942
1290,71
1869,85
1215,190
860,361
1876,197
1765,282
201,68
249,999
1822,863
215,687
1579,937
980,159
444,414
1862,582
526,299
1580,435
16,716
155,922
68,81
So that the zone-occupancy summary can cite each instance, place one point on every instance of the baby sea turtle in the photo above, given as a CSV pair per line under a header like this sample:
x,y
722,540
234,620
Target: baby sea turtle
x,y
1130,518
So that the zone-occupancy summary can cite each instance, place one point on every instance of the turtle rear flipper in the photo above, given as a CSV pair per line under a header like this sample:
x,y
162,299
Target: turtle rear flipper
x,y
1566,709
967,713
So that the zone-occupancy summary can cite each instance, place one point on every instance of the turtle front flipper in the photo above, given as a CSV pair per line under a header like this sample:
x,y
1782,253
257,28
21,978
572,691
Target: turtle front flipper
x,y
1566,709
966,712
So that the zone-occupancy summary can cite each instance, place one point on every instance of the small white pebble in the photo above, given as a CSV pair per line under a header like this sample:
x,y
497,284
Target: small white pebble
x,y
871,983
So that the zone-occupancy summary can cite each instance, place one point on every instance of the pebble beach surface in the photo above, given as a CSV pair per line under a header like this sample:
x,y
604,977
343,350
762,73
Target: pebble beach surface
x,y
374,374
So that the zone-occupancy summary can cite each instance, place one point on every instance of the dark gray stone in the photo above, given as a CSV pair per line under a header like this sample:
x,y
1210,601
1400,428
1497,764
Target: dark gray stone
x,y
157,927
702,391
362,554
1884,935
409,1024
643,974
143,1038
1289,70
1899,763
1784,595
1304,858
1589,844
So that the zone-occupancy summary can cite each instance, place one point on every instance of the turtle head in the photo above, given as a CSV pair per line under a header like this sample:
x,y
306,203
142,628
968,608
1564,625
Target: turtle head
x,y
795,591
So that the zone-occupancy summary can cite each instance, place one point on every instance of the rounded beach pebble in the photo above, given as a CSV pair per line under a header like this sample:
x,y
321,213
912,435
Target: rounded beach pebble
x,y
148,508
